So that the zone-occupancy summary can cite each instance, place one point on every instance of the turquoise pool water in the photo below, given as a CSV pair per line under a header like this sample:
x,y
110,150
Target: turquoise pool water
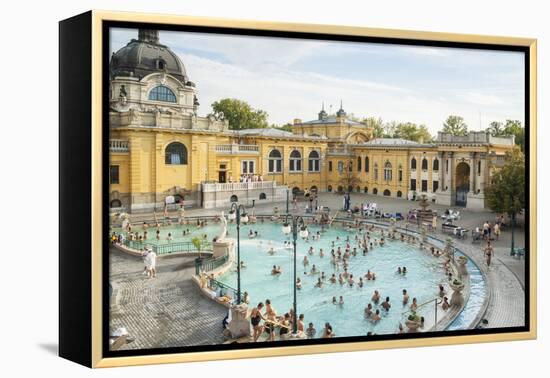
x,y
422,280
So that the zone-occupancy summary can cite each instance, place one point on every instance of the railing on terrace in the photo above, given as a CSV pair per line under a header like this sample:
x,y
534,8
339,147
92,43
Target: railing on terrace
x,y
237,148
119,145
339,151
232,186
167,248
222,289
207,265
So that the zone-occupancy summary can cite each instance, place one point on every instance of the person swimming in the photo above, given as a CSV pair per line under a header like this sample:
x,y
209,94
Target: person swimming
x,y
405,297
376,297
368,311
276,270
386,304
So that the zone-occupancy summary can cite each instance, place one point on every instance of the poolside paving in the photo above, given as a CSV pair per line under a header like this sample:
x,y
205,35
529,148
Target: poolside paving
x,y
170,311
165,311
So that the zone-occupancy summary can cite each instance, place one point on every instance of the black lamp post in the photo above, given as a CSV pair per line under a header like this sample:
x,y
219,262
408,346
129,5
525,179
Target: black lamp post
x,y
287,192
288,227
238,213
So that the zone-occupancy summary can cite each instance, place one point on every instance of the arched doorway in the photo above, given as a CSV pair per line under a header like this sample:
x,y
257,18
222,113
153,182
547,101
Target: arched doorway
x,y
233,198
387,193
399,194
462,181
375,191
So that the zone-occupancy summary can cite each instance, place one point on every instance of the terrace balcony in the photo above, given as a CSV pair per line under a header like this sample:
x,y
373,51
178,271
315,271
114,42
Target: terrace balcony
x,y
232,149
119,145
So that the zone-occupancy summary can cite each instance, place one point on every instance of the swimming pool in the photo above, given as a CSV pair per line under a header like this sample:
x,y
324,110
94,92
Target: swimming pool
x,y
424,274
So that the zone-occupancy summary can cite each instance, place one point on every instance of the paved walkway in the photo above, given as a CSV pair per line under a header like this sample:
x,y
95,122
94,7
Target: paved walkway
x,y
165,311
506,304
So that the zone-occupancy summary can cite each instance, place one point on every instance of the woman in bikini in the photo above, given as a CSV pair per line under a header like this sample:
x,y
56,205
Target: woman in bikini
x,y
255,319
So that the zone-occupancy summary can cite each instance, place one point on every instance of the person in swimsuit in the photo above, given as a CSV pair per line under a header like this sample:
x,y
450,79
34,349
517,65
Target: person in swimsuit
x,y
405,297
270,318
255,319
285,325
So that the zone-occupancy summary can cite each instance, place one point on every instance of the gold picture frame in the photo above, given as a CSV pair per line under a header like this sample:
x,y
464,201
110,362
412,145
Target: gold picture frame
x,y
93,22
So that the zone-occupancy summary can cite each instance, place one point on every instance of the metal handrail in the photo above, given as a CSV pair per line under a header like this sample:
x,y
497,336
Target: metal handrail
x,y
163,249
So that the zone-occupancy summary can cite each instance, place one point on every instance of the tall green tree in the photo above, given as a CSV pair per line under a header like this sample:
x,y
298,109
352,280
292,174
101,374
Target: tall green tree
x,y
377,126
412,131
514,127
455,125
240,114
506,193
496,129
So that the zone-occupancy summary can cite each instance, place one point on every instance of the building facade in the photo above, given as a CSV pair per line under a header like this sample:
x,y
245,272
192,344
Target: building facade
x,y
161,151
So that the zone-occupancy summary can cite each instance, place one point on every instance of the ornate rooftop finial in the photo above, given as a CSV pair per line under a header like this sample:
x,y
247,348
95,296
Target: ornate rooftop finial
x,y
341,112
148,35
322,114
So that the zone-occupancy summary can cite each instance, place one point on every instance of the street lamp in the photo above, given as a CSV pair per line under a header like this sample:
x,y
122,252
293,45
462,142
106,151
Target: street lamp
x,y
288,227
287,192
238,213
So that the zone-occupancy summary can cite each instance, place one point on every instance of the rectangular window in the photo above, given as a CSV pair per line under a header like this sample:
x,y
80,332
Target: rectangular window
x,y
275,166
114,174
413,184
313,165
340,167
424,185
330,166
435,186
400,174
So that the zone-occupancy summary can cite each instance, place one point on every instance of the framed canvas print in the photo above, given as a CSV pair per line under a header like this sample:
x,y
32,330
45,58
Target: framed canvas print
x,y
234,189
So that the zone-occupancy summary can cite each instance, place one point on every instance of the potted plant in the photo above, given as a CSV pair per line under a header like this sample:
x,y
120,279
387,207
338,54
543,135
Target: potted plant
x,y
413,322
197,243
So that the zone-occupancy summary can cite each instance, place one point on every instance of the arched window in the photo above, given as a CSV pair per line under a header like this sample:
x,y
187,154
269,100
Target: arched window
x,y
233,198
413,163
115,203
175,154
366,190
387,193
435,166
387,171
359,164
295,190
358,189
376,171
424,164
263,196
313,162
329,188
275,164
295,161
375,191
350,166
399,194
366,163
162,93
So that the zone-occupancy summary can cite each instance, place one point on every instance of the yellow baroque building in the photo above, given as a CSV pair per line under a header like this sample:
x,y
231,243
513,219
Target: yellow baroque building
x,y
162,152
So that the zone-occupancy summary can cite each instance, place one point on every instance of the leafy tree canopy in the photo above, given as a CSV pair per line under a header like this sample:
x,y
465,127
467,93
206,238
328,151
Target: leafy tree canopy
x,y
506,193
240,114
455,125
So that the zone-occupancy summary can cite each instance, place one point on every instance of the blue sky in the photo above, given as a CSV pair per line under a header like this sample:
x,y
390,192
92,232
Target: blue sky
x,y
290,78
